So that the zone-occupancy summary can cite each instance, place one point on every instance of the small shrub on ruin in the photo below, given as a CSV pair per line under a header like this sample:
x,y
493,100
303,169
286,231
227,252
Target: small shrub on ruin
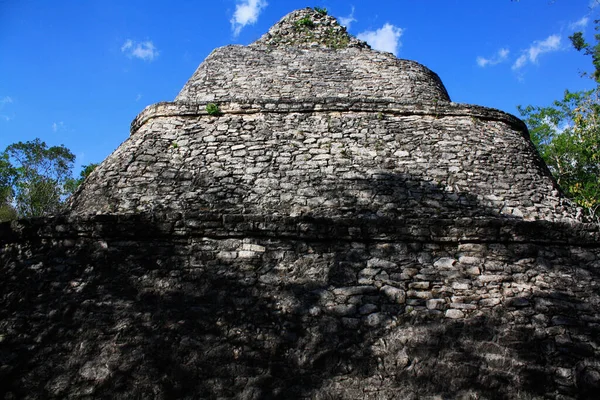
x,y
213,109
305,22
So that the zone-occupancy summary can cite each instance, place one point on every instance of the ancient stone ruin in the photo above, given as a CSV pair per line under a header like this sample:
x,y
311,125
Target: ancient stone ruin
x,y
309,218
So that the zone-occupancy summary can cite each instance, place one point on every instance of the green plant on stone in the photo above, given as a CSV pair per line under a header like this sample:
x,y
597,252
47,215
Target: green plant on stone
x,y
305,22
320,10
174,145
213,109
336,40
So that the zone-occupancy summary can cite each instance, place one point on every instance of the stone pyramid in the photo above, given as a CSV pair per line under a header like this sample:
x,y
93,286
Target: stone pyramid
x,y
314,122
309,219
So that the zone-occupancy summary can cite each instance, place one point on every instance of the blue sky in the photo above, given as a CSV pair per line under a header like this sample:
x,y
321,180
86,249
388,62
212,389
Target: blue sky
x,y
78,72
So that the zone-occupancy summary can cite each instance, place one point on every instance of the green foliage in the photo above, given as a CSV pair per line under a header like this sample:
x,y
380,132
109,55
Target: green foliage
x,y
34,178
320,10
567,136
305,22
86,171
73,184
7,213
578,41
213,109
336,39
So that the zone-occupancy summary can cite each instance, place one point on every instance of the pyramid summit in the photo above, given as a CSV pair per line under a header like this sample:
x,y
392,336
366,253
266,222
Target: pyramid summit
x,y
309,28
309,218
309,55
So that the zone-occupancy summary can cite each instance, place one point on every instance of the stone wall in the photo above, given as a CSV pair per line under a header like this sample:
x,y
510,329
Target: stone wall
x,y
297,62
234,73
327,159
252,307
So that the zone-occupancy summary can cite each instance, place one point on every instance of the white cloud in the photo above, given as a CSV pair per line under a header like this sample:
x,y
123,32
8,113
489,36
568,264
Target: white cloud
x,y
246,13
550,44
581,24
57,126
594,3
347,21
144,51
138,97
386,38
127,45
501,55
4,101
522,60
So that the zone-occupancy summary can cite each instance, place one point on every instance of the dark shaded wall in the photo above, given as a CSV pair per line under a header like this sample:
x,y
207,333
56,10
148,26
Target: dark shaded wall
x,y
241,306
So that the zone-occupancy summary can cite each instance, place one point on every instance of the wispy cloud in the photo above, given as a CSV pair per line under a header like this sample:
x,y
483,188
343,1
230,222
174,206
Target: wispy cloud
x,y
143,50
581,24
500,56
550,44
57,126
347,21
138,97
386,38
3,102
246,13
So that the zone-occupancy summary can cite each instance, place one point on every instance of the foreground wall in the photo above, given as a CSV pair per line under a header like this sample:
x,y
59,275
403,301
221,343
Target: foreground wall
x,y
210,305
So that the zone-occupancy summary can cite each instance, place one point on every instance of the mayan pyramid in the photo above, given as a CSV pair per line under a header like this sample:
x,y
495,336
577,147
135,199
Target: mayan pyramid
x,y
314,122
309,218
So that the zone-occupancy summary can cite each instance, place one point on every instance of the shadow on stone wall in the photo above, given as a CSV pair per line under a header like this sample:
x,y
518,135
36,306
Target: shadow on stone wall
x,y
408,196
141,310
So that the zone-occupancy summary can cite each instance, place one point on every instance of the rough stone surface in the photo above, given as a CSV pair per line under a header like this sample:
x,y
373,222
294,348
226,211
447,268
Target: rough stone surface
x,y
252,306
341,230
344,159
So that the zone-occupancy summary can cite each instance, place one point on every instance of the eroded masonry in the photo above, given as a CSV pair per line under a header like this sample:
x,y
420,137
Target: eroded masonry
x,y
338,229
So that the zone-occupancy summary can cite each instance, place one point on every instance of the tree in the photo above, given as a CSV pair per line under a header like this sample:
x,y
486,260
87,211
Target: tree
x,y
34,178
85,172
72,184
7,211
567,134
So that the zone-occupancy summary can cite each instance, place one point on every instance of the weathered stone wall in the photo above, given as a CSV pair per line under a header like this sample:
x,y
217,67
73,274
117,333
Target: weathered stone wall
x,y
238,73
253,307
297,62
327,159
